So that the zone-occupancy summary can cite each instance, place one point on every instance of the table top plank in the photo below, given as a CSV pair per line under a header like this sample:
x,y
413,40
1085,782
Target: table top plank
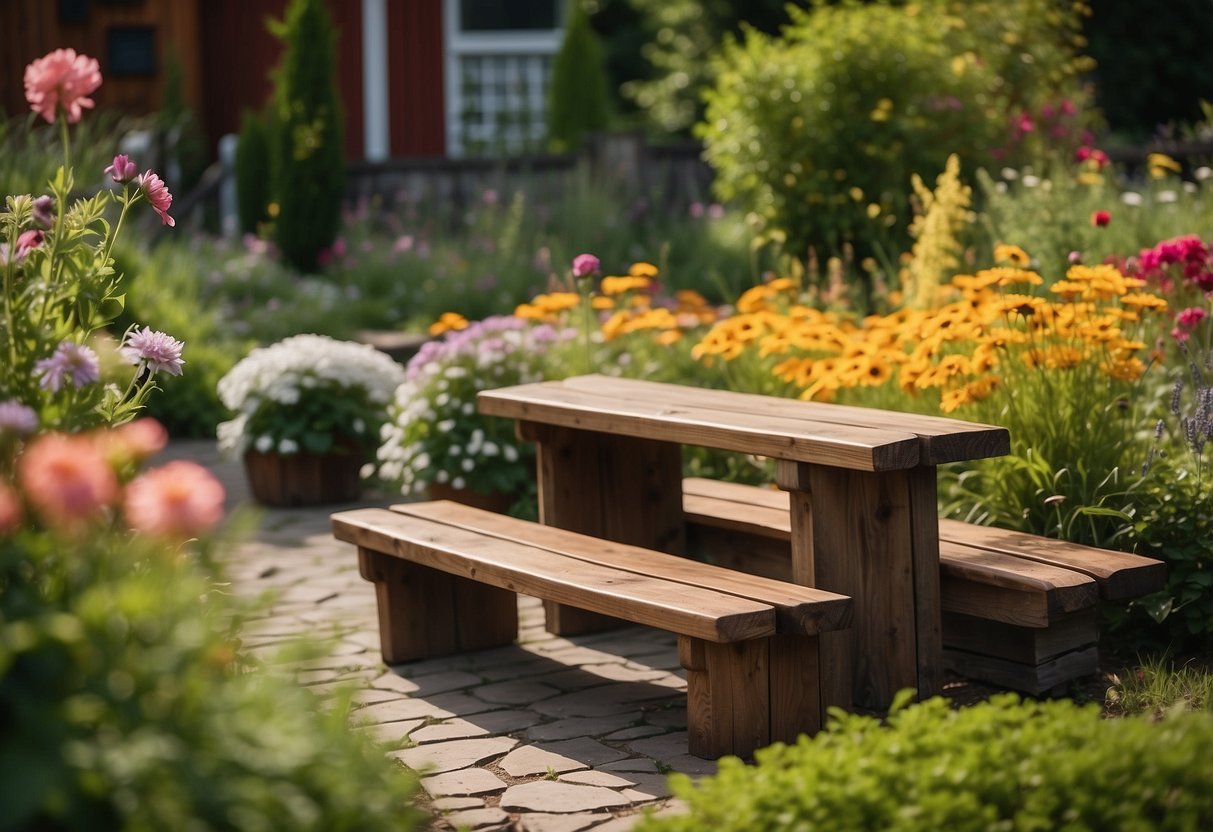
x,y
665,604
756,431
943,439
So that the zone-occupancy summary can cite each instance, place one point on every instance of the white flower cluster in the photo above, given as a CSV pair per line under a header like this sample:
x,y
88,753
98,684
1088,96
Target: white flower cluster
x,y
277,375
435,433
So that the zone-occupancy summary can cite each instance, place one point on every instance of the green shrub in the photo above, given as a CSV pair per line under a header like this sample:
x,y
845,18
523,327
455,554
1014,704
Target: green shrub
x,y
309,158
253,194
123,705
818,131
1002,765
578,97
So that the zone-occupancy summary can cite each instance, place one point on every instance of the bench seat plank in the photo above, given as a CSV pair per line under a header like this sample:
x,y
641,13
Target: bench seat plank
x,y
799,610
755,431
942,439
700,613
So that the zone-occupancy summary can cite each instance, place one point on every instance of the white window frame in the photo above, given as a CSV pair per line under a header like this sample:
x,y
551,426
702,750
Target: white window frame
x,y
460,44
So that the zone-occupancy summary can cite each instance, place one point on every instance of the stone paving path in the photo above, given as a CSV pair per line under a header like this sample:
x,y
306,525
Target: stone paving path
x,y
550,735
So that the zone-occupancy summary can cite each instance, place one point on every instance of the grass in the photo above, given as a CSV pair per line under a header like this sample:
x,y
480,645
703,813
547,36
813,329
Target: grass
x,y
1158,686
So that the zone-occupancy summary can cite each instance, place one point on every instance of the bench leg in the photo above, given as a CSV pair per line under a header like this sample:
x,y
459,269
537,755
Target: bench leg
x,y
425,613
747,695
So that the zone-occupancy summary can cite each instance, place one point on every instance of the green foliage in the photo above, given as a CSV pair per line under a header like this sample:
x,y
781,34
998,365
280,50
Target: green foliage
x,y
1004,764
253,193
308,155
683,36
124,707
578,100
817,132
32,150
1158,687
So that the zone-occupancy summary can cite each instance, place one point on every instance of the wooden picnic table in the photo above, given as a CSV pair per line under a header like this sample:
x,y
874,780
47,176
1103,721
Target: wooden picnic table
x,y
861,483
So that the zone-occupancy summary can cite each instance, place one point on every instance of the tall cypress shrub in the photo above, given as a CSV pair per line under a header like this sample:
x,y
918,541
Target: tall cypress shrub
x,y
578,96
309,160
253,192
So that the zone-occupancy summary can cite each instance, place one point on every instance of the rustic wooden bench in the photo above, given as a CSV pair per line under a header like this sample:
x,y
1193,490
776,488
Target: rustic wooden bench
x,y
1019,610
446,575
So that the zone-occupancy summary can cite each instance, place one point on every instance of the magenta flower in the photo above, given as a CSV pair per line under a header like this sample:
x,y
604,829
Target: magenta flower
x,y
16,418
122,170
585,265
61,80
154,350
158,194
71,362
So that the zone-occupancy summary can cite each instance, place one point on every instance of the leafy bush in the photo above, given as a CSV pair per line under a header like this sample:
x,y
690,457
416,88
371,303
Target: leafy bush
x,y
578,98
253,193
308,155
817,131
1004,764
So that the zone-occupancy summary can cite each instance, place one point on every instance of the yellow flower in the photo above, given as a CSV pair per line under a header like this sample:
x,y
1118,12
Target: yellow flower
x,y
602,302
1016,256
1160,164
1143,300
448,321
668,337
620,285
557,301
642,269
1025,305
1125,369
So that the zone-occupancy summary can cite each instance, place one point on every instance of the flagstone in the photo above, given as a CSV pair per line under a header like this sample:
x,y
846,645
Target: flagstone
x,y
597,778
584,749
581,726
530,760
554,797
450,729
463,783
478,818
455,754
515,692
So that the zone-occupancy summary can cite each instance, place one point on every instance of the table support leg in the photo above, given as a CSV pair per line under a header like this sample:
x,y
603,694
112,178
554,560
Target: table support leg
x,y
872,536
614,487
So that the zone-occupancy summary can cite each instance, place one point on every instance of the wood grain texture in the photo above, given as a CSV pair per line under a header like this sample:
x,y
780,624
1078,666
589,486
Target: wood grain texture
x,y
942,439
703,613
1119,574
728,698
1033,679
851,534
924,550
797,706
1026,645
799,609
755,431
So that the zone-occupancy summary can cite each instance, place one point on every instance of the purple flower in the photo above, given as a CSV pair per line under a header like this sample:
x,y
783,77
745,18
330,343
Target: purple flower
x,y
17,419
154,350
585,265
44,210
70,362
122,170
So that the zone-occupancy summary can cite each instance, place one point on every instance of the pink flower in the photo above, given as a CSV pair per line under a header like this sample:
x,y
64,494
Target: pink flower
x,y
122,170
133,442
179,500
70,362
27,242
585,265
1100,219
10,510
1191,317
154,351
66,479
61,80
158,195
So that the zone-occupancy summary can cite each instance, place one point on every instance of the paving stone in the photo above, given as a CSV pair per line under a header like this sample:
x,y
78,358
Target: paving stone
x,y
462,783
390,681
530,760
581,656
647,787
672,715
602,701
505,721
444,681
628,673
515,692
478,818
584,749
461,704
570,679
634,733
395,710
661,747
371,696
640,765
439,757
579,726
540,822
392,734
450,729
454,804
597,778
554,797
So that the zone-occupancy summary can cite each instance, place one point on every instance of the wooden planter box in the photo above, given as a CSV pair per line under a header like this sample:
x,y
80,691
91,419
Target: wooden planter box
x,y
285,480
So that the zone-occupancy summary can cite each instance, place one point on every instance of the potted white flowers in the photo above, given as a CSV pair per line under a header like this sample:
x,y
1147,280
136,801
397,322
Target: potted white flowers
x,y
308,412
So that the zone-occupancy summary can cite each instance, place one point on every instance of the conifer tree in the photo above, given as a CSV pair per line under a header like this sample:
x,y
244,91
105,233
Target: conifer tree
x,y
578,96
253,186
308,160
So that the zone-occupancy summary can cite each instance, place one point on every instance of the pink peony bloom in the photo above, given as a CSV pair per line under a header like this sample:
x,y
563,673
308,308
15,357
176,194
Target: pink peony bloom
x,y
16,418
179,500
66,479
62,80
158,194
10,510
585,265
154,351
122,170
70,362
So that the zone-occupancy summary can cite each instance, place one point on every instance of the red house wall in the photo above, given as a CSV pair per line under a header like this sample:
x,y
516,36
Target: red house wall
x,y
416,112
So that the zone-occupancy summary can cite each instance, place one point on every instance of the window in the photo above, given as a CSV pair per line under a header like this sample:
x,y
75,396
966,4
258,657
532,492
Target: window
x,y
131,50
498,64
